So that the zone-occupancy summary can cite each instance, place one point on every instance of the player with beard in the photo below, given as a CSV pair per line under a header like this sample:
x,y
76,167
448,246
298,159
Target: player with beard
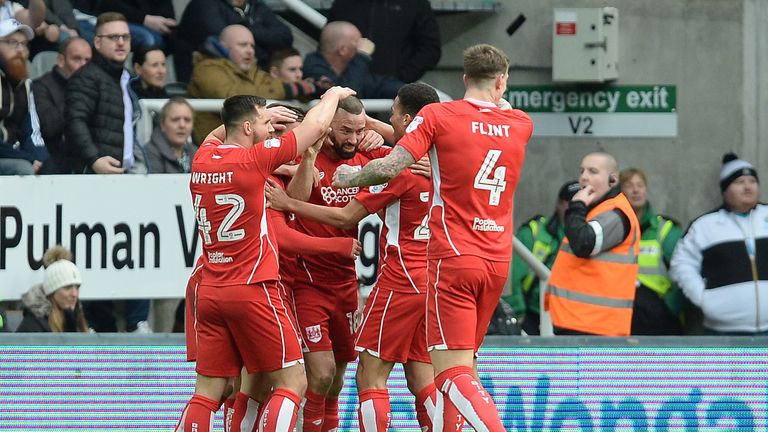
x,y
22,150
325,288
393,329
477,151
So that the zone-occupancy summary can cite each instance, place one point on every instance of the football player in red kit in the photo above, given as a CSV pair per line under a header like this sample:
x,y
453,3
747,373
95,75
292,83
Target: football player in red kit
x,y
476,150
241,319
325,289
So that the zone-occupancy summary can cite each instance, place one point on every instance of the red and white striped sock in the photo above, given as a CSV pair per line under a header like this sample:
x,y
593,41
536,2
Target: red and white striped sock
x,y
331,415
460,386
314,411
198,415
280,412
373,412
426,409
246,413
229,410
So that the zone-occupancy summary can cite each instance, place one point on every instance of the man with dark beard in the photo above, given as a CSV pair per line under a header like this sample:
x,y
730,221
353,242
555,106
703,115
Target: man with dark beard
x,y
22,150
325,288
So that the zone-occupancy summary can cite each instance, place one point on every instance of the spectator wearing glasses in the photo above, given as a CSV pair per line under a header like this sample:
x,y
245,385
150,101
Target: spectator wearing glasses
x,y
22,150
100,132
102,112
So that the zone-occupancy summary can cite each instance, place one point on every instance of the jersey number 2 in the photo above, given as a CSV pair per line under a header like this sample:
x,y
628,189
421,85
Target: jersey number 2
x,y
496,184
223,233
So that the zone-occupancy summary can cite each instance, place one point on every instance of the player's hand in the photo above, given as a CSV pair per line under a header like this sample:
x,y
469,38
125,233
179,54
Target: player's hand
x,y
281,117
314,149
371,141
107,165
504,105
281,114
341,92
586,195
315,177
422,167
343,175
277,199
357,247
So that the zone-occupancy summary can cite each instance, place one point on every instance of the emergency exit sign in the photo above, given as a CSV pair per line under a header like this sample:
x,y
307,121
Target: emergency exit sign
x,y
615,111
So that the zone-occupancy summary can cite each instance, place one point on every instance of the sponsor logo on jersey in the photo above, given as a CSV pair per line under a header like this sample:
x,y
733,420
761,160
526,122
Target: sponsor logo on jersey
x,y
219,258
314,334
272,143
486,225
424,196
332,195
377,188
414,124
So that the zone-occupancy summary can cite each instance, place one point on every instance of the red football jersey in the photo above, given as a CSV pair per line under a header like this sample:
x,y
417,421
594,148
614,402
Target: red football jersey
x,y
227,186
328,269
476,151
405,234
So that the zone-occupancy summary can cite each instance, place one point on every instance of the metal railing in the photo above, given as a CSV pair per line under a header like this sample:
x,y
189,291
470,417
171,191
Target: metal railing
x,y
542,272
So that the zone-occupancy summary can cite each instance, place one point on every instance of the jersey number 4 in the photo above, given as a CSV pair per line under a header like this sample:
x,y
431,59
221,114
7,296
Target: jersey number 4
x,y
496,184
224,233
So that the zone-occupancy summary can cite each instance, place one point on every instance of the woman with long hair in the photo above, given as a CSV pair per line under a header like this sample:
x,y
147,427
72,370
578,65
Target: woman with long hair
x,y
54,306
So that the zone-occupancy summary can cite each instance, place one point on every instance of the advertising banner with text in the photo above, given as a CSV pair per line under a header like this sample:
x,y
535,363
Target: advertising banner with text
x,y
131,236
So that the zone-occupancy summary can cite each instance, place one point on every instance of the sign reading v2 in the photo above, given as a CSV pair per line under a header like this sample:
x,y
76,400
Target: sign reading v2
x,y
599,111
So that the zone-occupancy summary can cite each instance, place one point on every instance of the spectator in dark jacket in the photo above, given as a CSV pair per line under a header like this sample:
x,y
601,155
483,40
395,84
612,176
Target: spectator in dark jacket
x,y
170,149
204,18
100,136
22,150
150,21
343,57
151,73
54,305
405,33
50,92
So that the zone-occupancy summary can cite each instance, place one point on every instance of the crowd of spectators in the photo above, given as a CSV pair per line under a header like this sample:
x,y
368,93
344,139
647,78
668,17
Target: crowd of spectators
x,y
80,116
222,48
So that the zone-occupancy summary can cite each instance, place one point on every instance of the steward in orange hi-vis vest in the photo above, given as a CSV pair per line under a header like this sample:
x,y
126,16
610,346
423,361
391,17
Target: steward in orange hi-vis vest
x,y
594,295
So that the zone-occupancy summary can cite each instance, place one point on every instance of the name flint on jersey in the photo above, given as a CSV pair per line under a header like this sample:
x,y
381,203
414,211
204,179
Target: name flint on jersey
x,y
480,224
339,196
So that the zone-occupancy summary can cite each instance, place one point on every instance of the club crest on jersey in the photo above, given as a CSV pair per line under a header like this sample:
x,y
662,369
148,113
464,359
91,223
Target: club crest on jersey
x,y
314,334
321,175
377,188
414,124
272,143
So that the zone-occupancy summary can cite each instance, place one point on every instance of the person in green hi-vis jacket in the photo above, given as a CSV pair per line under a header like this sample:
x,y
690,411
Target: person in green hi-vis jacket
x,y
542,236
658,302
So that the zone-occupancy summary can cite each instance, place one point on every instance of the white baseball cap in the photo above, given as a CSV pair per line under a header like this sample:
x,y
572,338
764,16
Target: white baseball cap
x,y
12,25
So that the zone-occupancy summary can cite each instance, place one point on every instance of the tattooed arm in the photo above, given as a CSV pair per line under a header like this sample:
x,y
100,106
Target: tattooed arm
x,y
377,171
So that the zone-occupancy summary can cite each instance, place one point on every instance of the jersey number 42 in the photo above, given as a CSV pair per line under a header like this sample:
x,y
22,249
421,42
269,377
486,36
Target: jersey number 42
x,y
225,232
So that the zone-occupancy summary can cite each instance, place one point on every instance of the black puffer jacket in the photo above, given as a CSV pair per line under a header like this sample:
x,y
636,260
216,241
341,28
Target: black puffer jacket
x,y
95,111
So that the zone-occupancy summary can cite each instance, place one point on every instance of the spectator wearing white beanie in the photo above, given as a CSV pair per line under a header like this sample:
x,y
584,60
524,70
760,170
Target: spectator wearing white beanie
x,y
54,305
